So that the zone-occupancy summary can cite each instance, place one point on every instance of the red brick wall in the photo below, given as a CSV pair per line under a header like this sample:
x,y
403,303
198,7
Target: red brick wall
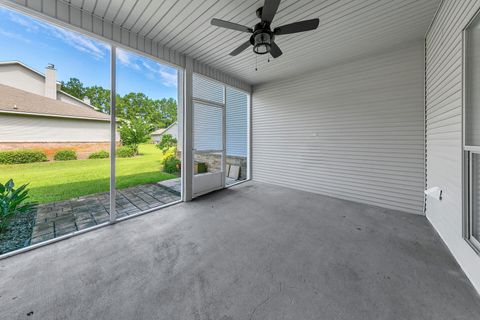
x,y
83,149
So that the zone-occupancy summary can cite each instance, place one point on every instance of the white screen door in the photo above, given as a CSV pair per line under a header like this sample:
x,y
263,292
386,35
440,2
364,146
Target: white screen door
x,y
208,147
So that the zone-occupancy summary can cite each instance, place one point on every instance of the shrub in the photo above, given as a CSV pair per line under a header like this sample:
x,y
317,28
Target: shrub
x,y
99,155
134,132
22,156
125,152
64,155
169,160
171,165
167,142
201,167
12,202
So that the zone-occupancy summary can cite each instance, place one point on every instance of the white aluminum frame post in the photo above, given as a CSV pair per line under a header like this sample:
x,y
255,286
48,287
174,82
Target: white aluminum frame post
x,y
113,134
187,152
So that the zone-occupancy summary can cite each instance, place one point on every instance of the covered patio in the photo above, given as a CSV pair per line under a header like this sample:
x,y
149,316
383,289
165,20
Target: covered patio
x,y
255,251
326,166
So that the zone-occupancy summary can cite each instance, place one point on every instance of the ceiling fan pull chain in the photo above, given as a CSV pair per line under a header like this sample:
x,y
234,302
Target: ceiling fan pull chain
x,y
256,63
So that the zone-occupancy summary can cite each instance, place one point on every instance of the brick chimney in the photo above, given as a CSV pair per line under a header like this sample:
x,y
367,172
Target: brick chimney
x,y
51,82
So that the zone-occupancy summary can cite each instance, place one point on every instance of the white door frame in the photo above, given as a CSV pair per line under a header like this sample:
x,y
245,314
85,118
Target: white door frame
x,y
205,183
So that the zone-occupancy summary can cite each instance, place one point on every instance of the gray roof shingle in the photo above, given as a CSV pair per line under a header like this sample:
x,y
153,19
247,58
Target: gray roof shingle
x,y
18,101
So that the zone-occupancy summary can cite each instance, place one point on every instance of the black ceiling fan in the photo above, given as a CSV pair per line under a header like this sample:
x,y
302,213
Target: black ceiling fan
x,y
263,38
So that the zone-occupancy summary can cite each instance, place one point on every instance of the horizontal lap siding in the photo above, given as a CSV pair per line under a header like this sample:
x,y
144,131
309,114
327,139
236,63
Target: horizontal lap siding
x,y
22,128
354,131
444,52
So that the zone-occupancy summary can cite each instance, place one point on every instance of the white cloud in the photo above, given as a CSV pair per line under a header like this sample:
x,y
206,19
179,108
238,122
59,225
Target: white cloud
x,y
127,59
149,67
79,42
75,40
168,79
29,24
13,35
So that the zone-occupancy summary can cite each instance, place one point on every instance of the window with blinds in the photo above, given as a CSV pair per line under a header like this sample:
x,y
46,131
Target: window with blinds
x,y
220,128
237,135
208,90
208,127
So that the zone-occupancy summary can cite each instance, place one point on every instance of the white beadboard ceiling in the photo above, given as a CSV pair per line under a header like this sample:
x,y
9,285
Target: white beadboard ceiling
x,y
348,28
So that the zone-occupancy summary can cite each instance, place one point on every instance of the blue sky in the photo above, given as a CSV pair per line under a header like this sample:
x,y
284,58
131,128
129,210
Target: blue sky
x,y
37,44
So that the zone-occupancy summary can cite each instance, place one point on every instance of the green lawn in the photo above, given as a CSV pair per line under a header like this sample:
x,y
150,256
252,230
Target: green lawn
x,y
61,180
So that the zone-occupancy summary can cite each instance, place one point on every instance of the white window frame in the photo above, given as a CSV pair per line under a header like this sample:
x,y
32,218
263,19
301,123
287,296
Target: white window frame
x,y
467,154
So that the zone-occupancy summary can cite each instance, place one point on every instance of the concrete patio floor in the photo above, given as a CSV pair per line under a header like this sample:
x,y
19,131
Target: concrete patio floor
x,y
255,251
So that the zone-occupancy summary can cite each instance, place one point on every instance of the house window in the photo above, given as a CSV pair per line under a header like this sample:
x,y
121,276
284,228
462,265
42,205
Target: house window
x,y
472,134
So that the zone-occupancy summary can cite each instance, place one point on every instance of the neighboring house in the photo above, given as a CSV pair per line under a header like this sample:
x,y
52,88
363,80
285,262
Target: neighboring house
x,y
36,114
171,129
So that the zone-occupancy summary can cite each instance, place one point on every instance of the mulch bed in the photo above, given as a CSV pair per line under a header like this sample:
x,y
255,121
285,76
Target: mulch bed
x,y
19,232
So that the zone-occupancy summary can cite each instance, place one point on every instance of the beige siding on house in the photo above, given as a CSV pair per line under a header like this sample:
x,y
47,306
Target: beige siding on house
x,y
17,76
444,128
20,128
354,131
68,99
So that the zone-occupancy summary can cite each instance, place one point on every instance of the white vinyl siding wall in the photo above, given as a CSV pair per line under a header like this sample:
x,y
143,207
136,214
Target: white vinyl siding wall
x,y
354,131
444,101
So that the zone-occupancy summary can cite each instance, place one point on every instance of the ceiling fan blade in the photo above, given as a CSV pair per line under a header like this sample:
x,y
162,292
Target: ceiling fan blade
x,y
241,48
275,50
230,25
269,10
295,27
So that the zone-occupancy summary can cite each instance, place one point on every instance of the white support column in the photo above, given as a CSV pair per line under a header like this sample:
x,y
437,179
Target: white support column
x,y
249,134
224,137
187,154
113,135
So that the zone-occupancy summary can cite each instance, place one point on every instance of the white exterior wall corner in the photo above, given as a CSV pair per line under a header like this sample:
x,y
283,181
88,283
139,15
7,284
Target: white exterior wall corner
x,y
61,13
353,131
444,128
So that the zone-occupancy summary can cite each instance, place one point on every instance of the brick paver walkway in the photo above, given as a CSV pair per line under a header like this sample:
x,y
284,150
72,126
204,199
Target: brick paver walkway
x,y
63,217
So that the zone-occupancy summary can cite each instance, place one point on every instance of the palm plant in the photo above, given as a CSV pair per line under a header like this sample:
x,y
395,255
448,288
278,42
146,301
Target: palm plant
x,y
12,202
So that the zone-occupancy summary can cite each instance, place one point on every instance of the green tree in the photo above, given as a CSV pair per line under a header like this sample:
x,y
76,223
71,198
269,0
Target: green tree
x,y
168,109
74,87
158,113
134,132
99,98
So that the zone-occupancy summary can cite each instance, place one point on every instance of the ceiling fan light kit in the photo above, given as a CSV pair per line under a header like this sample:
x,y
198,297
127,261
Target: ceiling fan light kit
x,y
263,38
261,43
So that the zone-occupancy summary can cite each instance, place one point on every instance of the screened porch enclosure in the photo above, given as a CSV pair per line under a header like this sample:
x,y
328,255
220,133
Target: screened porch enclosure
x,y
275,159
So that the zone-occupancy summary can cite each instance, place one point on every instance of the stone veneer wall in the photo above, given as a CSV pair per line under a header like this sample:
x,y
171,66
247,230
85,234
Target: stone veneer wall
x,y
214,161
241,162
